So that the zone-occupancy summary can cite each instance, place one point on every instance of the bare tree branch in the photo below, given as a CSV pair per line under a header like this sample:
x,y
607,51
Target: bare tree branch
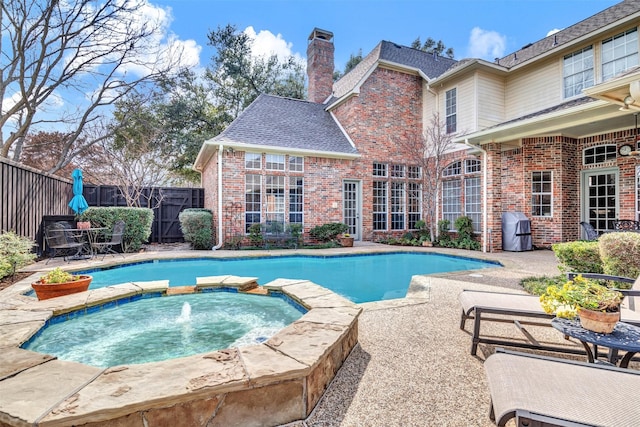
x,y
78,52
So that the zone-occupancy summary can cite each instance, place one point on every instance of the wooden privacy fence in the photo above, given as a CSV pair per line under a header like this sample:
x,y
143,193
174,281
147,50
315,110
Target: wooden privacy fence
x,y
29,195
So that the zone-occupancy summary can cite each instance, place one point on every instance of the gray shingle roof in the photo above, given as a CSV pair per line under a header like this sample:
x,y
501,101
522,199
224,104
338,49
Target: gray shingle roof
x,y
277,122
569,34
431,65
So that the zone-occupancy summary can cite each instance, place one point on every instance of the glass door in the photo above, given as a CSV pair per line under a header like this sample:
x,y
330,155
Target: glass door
x,y
600,200
351,207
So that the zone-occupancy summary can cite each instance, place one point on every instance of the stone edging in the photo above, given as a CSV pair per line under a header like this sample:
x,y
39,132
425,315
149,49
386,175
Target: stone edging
x,y
275,382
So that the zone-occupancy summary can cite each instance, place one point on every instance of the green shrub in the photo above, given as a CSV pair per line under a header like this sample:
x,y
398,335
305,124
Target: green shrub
x,y
443,232
197,227
579,256
15,253
328,232
620,253
138,223
464,225
255,235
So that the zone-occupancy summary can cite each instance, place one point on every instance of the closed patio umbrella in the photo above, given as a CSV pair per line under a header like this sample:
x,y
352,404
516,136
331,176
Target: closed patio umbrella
x,y
78,204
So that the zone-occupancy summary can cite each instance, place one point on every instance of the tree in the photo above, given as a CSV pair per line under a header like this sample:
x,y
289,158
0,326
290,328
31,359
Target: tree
x,y
428,151
354,59
431,46
238,77
79,53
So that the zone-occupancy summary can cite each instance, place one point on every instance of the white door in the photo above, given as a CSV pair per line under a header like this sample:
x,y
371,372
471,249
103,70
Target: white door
x,y
351,207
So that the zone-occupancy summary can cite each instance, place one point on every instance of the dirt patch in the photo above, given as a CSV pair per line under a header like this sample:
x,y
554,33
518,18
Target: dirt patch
x,y
10,280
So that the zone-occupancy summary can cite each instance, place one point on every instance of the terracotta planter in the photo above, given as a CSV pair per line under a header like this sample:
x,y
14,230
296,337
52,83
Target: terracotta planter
x,y
52,290
598,321
347,242
83,225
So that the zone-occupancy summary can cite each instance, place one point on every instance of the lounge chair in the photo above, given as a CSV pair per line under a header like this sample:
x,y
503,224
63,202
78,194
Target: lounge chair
x,y
545,391
525,309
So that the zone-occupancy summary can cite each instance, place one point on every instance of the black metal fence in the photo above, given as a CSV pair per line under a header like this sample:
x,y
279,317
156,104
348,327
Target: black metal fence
x,y
29,195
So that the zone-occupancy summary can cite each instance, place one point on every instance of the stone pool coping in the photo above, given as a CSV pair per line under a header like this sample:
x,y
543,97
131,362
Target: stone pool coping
x,y
275,382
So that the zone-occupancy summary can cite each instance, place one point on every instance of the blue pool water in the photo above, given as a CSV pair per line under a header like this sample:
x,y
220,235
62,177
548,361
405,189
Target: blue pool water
x,y
161,328
361,278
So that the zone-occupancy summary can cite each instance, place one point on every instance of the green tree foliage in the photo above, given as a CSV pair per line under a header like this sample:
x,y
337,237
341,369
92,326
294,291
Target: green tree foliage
x,y
354,59
237,77
432,46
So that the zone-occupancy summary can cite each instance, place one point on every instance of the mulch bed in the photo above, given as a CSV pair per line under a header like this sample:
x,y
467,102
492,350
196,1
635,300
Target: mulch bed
x,y
10,280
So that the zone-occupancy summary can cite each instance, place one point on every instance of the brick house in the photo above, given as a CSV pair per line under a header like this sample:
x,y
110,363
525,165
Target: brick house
x,y
543,131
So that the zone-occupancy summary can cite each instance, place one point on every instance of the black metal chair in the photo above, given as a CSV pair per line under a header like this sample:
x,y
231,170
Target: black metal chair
x,y
626,225
60,242
107,247
590,232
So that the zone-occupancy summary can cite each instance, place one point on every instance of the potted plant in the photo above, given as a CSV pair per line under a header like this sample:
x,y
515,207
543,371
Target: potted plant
x,y
58,282
346,240
82,223
597,306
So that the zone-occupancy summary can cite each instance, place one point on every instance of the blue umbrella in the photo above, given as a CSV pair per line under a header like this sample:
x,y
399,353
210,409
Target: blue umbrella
x,y
78,203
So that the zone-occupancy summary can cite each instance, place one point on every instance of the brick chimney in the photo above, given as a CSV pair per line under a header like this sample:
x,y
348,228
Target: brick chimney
x,y
320,65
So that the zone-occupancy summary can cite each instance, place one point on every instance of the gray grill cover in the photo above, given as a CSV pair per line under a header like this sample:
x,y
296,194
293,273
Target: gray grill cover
x,y
516,232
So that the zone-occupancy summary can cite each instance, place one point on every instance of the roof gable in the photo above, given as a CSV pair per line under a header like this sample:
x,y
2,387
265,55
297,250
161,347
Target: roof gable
x,y
286,123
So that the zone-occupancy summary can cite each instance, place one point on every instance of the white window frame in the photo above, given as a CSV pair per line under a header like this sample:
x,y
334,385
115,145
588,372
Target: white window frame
x,y
619,53
451,110
473,201
380,205
414,200
398,199
578,72
296,164
538,194
274,162
380,170
250,160
274,198
249,187
296,199
451,206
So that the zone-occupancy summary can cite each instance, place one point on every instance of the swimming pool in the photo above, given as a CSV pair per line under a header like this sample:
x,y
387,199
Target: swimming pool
x,y
360,278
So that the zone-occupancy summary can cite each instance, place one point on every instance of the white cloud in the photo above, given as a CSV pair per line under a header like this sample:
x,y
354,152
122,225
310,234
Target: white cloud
x,y
486,44
265,43
552,32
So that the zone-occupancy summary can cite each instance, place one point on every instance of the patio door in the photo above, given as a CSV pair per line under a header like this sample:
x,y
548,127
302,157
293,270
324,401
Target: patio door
x,y
351,207
600,198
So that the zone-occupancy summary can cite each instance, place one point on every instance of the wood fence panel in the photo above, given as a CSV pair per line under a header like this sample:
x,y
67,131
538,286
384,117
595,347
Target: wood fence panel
x,y
29,195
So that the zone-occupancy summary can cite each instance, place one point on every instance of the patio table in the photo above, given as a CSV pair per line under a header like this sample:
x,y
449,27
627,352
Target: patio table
x,y
86,236
625,337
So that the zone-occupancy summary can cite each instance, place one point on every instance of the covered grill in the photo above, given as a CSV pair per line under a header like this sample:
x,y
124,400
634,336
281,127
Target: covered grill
x,y
516,232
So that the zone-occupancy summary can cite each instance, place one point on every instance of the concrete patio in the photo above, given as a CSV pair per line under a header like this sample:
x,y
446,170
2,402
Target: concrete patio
x,y
412,365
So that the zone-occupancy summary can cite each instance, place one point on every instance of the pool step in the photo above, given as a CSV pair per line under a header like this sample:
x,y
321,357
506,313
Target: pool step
x,y
180,290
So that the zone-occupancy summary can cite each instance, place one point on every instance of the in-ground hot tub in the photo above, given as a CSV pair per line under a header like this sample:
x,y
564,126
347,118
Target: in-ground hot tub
x,y
275,382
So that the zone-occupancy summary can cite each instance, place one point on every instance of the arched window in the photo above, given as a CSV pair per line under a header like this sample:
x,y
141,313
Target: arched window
x,y
453,169
599,154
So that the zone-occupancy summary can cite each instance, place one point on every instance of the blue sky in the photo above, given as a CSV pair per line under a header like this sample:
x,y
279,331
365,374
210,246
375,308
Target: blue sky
x,y
474,28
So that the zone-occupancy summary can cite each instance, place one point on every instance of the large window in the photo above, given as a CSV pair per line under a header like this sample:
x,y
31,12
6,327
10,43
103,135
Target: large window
x,y
274,198
473,201
252,160
451,110
462,192
397,206
451,209
397,196
578,72
296,199
379,205
414,205
619,53
252,200
541,193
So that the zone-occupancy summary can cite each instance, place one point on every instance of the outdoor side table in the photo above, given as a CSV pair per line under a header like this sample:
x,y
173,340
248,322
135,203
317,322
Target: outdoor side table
x,y
625,337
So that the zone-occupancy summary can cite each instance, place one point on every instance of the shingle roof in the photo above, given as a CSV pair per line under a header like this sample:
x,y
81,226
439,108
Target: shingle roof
x,y
431,65
278,122
569,34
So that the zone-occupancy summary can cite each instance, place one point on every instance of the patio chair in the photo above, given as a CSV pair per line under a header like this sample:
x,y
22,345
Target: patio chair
x,y
525,309
115,240
60,242
547,391
589,232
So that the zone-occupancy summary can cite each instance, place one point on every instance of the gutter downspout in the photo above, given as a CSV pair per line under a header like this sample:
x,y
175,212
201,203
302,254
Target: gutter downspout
x,y
220,241
484,192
